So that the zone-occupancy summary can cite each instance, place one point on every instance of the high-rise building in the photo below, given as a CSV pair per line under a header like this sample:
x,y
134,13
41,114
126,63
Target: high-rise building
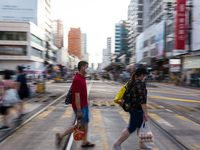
x,y
84,47
121,37
109,45
138,17
158,11
107,53
74,42
26,33
57,33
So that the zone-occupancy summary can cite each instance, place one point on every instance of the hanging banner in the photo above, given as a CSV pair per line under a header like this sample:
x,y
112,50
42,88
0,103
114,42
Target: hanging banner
x,y
180,29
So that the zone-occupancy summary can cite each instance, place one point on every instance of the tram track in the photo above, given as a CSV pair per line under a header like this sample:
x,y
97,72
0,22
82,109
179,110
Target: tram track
x,y
26,121
172,138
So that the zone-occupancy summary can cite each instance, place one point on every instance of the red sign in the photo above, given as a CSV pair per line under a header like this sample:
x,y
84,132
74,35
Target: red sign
x,y
180,30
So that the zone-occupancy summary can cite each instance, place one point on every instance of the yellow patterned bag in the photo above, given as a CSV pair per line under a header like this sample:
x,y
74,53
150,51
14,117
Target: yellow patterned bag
x,y
120,94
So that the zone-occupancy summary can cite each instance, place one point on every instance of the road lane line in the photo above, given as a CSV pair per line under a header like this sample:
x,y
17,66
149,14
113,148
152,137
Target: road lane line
x,y
183,89
59,85
168,92
159,119
173,99
185,119
98,129
57,90
68,113
103,93
45,113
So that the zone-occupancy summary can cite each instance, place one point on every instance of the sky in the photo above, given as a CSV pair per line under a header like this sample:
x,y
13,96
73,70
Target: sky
x,y
96,18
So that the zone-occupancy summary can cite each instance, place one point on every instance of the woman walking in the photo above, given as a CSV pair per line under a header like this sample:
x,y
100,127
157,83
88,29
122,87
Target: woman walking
x,y
9,98
138,112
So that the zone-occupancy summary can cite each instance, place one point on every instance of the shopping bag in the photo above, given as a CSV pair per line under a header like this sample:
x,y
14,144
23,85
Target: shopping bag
x,y
79,131
145,134
120,94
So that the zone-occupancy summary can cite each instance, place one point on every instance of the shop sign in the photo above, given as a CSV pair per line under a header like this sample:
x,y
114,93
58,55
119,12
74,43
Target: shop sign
x,y
180,29
175,68
175,65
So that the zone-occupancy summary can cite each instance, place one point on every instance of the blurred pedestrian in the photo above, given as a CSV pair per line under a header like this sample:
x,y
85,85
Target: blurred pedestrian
x,y
22,89
138,112
79,103
9,98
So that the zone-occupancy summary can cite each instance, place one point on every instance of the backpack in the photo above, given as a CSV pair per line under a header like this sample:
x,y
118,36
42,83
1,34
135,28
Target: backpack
x,y
68,98
127,99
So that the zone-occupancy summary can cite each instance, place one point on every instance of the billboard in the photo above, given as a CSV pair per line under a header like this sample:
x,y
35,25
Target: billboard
x,y
196,25
18,10
160,39
180,28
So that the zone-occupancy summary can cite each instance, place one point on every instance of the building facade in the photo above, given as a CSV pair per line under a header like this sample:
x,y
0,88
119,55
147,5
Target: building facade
x,y
121,37
74,42
22,43
57,33
14,14
84,47
138,17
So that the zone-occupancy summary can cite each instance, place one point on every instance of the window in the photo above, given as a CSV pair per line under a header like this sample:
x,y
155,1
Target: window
x,y
36,40
13,36
37,53
18,50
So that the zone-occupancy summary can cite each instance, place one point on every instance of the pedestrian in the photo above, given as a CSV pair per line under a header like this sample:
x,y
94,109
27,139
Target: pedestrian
x,y
22,89
79,104
138,112
9,98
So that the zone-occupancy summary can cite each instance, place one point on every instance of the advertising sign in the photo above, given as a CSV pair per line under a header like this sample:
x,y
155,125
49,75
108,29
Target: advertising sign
x,y
18,10
180,28
160,39
175,65
196,25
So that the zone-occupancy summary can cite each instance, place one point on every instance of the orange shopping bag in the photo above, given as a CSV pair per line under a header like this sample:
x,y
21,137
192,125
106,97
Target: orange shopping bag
x,y
79,131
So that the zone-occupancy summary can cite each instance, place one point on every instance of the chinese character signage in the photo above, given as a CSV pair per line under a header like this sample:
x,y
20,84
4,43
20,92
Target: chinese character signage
x,y
180,29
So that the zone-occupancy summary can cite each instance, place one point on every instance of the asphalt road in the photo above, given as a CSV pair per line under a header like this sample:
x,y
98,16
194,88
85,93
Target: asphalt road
x,y
107,119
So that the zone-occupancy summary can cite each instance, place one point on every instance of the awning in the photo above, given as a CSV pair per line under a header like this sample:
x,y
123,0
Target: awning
x,y
112,66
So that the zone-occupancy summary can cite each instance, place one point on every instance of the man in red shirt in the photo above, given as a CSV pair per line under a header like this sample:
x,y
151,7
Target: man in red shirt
x,y
79,103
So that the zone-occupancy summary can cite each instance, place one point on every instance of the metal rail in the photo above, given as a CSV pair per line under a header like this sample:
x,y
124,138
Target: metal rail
x,y
173,139
2,138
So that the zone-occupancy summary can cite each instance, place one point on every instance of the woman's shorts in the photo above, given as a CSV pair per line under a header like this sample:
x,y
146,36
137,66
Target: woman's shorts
x,y
136,119
85,112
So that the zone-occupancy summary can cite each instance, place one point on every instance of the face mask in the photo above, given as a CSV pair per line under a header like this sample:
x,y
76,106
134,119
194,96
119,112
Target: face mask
x,y
144,79
87,70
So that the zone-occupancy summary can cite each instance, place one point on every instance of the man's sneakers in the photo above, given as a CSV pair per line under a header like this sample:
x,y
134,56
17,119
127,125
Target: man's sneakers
x,y
4,128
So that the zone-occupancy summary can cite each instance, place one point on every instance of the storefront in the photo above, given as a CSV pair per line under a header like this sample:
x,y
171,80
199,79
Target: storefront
x,y
191,68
